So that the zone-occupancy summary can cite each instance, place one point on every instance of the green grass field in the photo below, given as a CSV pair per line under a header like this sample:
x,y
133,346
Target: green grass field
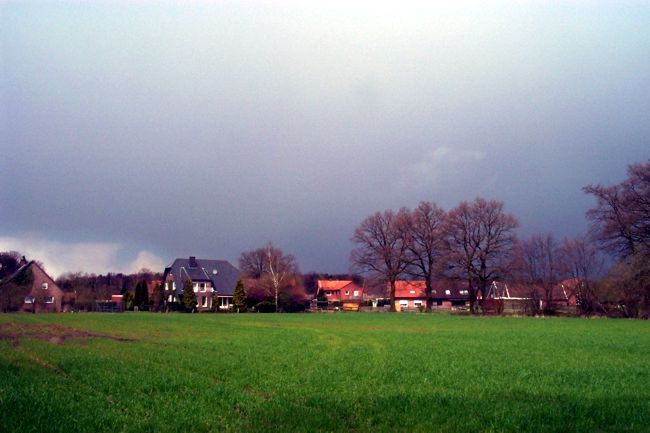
x,y
322,372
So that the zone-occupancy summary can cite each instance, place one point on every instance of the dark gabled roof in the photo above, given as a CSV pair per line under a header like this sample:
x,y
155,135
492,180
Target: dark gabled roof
x,y
17,271
223,280
450,290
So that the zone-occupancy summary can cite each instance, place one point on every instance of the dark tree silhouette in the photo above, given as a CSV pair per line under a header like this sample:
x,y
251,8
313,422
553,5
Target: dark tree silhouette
x,y
480,237
425,244
381,247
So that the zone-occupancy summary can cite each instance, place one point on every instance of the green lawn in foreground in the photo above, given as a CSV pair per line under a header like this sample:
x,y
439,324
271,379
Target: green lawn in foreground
x,y
328,372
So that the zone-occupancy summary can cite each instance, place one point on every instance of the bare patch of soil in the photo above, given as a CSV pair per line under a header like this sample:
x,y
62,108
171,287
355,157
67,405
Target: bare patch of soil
x,y
54,333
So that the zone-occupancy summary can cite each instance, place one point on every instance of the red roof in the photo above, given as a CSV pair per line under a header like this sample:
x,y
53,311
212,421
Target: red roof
x,y
441,289
409,289
333,284
336,290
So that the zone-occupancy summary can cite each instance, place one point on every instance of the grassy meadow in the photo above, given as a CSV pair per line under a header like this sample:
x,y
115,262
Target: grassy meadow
x,y
322,372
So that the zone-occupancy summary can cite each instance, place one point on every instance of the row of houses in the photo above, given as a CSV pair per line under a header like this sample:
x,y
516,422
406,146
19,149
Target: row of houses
x,y
214,282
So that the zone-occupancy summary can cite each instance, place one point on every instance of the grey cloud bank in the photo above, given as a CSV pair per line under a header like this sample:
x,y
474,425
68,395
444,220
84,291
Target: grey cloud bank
x,y
209,129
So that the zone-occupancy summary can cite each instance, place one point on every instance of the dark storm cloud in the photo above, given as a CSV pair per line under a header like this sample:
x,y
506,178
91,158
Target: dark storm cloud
x,y
210,129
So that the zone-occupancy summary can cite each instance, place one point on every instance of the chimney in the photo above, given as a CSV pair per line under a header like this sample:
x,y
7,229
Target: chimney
x,y
193,263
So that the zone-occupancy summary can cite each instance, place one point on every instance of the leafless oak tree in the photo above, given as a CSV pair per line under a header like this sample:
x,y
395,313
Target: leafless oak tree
x,y
621,219
425,244
584,264
538,262
382,247
480,237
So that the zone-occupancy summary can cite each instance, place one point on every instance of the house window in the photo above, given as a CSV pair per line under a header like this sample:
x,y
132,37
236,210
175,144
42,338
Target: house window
x,y
202,287
434,291
447,292
44,286
418,303
224,302
347,292
328,293
204,301
356,293
29,299
403,304
49,299
196,287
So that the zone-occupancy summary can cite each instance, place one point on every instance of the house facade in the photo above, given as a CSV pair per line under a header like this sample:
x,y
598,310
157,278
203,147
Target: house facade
x,y
213,282
411,294
37,290
346,292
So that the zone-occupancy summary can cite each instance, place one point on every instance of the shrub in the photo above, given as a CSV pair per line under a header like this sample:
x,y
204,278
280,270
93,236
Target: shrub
x,y
265,307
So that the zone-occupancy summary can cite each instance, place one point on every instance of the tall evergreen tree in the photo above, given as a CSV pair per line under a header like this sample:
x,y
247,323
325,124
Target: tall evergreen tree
x,y
137,295
189,298
239,297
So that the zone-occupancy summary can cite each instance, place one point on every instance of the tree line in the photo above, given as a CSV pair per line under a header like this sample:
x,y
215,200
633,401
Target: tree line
x,y
476,242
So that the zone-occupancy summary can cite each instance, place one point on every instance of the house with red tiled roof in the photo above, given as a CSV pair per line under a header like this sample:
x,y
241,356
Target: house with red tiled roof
x,y
346,292
411,295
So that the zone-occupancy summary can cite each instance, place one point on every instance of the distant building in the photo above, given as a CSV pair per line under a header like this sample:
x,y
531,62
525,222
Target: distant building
x,y
411,295
213,282
346,292
36,289
525,297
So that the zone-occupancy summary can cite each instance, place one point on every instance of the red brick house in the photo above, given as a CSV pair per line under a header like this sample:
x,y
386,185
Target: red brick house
x,y
411,295
39,293
346,292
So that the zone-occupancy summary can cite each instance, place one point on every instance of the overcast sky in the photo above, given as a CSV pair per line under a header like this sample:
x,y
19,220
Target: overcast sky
x,y
132,133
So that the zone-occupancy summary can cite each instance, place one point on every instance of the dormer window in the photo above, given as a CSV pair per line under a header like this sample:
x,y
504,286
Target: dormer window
x,y
447,292
347,292
44,286
412,292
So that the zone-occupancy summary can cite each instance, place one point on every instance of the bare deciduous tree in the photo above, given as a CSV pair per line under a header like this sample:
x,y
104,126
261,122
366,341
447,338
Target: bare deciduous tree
x,y
480,237
425,244
621,219
252,262
538,261
583,264
382,247
269,264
